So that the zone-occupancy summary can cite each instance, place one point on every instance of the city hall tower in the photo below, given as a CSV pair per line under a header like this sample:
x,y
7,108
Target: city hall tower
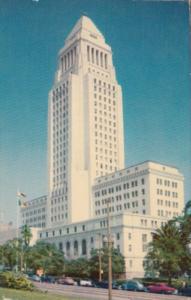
x,y
85,134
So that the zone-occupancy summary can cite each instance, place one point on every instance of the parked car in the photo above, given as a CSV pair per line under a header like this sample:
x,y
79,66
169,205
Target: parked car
x,y
66,280
104,285
133,285
185,291
161,288
48,279
34,278
83,282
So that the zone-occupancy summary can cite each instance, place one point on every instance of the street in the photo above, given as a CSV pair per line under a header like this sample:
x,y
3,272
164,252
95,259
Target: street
x,y
97,293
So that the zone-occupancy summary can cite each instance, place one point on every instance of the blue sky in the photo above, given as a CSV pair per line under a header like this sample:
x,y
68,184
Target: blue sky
x,y
150,43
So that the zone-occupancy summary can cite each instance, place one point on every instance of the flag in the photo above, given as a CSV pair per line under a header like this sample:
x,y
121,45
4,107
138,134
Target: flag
x,y
19,194
20,197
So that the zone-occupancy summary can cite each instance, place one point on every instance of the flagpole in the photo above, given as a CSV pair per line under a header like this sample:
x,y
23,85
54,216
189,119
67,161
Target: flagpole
x,y
17,230
20,203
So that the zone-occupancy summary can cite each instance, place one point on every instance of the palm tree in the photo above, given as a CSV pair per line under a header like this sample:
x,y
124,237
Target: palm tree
x,y
168,253
26,235
26,238
183,222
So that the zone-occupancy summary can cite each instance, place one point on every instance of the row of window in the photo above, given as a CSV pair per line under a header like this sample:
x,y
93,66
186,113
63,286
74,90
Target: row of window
x,y
167,193
101,105
59,217
59,208
34,202
119,188
97,57
33,212
61,105
163,213
58,90
119,207
144,222
167,182
40,225
115,199
68,59
35,219
59,200
103,92
104,84
167,203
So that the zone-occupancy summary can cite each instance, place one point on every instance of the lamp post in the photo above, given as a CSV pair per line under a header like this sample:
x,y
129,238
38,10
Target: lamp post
x,y
100,260
109,254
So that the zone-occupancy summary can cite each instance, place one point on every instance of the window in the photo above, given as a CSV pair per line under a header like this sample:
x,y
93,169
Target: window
x,y
60,246
144,238
97,57
68,249
118,236
84,247
88,53
75,247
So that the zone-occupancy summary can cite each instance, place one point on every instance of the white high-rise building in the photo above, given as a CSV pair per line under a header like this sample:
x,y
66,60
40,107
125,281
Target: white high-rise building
x,y
86,162
85,123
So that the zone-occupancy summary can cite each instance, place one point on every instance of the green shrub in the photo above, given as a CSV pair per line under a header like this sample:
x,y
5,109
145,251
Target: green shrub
x,y
14,280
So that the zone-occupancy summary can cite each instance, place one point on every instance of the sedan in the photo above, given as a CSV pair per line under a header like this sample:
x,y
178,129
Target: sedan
x,y
66,280
133,285
185,291
105,285
161,288
34,278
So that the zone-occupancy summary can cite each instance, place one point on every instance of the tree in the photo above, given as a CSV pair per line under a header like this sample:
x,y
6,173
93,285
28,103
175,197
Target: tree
x,y
26,235
78,268
47,257
187,208
118,263
10,253
183,222
168,252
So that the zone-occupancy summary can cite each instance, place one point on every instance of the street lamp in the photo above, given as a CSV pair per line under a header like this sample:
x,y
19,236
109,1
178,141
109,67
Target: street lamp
x,y
109,240
100,262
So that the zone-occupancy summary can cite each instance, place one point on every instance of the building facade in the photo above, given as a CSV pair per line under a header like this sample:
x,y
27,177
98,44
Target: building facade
x,y
85,123
147,188
34,212
131,234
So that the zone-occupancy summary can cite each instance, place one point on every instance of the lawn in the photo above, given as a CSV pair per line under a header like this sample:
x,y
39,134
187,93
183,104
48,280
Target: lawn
x,y
25,295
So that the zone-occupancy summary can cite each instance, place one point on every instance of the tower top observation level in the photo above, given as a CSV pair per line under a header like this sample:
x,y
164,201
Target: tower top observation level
x,y
85,29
